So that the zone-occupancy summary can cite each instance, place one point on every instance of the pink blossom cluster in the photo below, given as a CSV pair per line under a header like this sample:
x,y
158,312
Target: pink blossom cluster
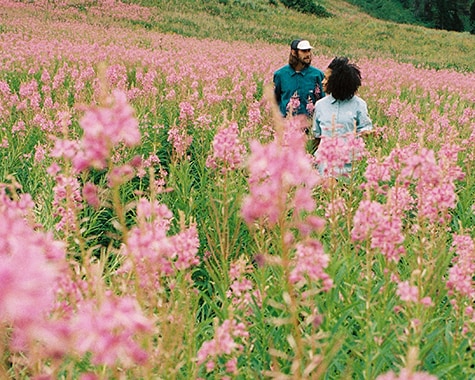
x,y
228,152
461,273
104,128
407,292
410,293
67,201
37,289
407,375
281,177
375,222
31,263
107,329
335,154
226,342
151,253
242,292
180,140
433,192
187,111
309,264
293,105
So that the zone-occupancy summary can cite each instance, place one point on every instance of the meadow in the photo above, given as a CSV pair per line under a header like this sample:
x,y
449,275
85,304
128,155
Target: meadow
x,y
160,220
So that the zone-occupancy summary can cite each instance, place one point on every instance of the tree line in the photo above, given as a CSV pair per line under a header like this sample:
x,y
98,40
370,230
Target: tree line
x,y
455,15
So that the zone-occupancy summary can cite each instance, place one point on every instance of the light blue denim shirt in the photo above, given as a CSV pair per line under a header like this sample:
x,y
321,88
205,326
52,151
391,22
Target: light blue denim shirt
x,y
340,117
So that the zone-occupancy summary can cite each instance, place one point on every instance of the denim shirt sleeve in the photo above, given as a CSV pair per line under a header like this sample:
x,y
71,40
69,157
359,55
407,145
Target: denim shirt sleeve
x,y
363,121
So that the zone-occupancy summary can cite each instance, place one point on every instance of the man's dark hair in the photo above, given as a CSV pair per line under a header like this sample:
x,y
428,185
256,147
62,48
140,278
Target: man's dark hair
x,y
294,44
344,80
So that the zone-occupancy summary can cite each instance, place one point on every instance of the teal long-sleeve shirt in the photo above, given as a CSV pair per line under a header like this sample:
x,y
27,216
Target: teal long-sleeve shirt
x,y
306,85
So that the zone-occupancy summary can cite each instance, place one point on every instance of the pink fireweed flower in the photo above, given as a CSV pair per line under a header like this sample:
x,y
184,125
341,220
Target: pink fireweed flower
x,y
335,207
187,111
461,273
293,105
180,140
241,290
335,154
171,94
63,119
67,149
277,170
43,123
40,153
377,172
434,190
203,122
231,366
407,292
372,221
29,92
254,115
117,76
185,248
309,264
225,341
400,200
310,106
147,163
67,200
470,313
120,175
31,262
407,375
151,252
19,126
104,128
311,224
435,187
90,194
228,151
107,330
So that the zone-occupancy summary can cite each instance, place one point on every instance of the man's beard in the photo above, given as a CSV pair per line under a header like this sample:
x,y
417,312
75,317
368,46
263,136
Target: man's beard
x,y
303,62
295,60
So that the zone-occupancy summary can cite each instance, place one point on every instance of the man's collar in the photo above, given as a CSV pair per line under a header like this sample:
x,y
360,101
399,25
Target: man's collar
x,y
302,72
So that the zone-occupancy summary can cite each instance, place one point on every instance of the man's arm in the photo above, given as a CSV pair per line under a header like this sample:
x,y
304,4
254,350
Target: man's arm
x,y
277,89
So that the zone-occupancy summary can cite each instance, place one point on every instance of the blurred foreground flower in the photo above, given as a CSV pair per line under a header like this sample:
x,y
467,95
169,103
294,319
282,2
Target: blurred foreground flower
x,y
104,128
281,178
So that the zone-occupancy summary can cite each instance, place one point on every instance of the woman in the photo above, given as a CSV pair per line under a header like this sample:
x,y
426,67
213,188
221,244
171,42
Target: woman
x,y
338,118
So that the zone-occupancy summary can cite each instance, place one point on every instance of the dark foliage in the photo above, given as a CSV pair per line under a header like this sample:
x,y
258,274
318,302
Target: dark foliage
x,y
455,15
307,6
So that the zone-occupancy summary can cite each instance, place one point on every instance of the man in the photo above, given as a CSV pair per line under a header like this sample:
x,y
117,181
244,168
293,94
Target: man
x,y
297,86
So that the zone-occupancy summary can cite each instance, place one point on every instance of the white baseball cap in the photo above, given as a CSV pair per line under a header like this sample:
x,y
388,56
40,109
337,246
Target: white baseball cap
x,y
300,45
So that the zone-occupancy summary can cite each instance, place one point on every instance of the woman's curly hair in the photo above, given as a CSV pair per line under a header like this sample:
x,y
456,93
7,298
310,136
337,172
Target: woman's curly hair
x,y
344,80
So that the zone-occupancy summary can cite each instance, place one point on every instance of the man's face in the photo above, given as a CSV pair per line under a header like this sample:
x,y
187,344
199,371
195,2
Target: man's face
x,y
304,56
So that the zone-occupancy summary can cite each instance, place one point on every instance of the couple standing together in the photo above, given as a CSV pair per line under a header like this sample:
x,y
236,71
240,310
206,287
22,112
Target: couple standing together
x,y
329,98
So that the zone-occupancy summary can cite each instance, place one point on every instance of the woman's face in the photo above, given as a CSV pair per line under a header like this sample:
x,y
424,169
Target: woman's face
x,y
328,72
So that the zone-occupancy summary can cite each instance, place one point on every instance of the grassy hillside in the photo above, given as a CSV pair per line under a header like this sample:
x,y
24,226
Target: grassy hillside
x,y
350,32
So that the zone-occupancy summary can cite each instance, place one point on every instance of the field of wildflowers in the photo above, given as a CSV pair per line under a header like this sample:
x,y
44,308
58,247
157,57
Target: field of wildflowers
x,y
161,221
